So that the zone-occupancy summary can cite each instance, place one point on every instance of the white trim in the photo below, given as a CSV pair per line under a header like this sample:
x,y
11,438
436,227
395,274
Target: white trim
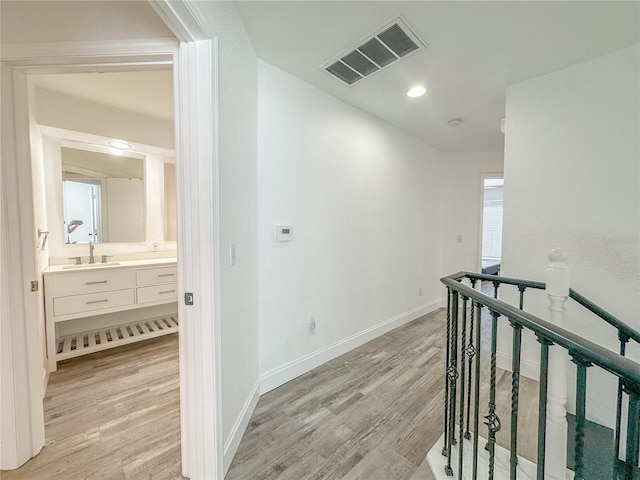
x,y
49,54
181,19
21,392
239,427
198,262
528,368
283,374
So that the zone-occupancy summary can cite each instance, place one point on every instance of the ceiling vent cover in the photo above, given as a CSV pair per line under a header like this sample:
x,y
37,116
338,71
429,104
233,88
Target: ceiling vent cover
x,y
390,43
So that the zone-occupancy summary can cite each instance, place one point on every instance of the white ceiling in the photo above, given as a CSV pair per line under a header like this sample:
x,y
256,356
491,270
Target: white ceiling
x,y
149,92
475,50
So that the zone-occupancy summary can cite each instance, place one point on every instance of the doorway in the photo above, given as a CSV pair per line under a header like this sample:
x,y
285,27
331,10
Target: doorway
x,y
491,222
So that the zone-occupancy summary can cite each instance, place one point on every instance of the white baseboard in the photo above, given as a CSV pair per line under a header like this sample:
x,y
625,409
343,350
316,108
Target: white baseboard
x,y
235,436
281,375
528,368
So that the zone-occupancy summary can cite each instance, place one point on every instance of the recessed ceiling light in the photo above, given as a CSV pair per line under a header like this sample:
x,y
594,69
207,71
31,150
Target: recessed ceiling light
x,y
120,145
416,91
454,122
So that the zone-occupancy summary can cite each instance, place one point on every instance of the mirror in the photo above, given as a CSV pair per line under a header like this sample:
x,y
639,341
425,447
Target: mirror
x,y
103,196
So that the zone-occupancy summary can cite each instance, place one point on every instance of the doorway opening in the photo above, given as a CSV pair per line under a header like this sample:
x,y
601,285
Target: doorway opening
x,y
120,198
491,238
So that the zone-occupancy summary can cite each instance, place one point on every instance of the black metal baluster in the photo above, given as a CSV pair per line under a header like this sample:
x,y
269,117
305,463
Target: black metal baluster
x,y
581,397
445,445
470,351
452,373
633,431
463,345
616,445
515,394
542,403
496,285
476,395
521,288
493,421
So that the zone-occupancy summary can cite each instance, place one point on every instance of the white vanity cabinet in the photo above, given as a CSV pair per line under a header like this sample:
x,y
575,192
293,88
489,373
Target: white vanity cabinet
x,y
73,292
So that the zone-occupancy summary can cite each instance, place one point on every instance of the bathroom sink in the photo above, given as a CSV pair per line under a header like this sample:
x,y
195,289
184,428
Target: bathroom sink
x,y
90,265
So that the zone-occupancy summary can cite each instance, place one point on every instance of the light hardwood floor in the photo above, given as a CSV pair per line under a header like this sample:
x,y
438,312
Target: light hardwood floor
x,y
370,414
112,415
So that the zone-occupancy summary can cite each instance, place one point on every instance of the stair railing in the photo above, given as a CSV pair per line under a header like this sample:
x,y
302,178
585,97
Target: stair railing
x,y
462,375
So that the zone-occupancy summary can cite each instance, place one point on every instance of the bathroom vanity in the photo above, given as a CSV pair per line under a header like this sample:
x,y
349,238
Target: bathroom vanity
x,y
79,291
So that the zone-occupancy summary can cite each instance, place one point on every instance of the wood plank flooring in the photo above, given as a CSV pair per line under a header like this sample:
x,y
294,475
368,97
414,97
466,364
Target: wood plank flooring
x,y
112,415
370,414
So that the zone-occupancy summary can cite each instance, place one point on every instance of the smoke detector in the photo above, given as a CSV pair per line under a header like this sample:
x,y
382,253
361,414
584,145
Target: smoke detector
x,y
390,43
454,122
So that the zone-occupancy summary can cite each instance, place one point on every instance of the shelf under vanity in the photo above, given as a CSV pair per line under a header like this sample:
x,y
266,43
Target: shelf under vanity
x,y
76,292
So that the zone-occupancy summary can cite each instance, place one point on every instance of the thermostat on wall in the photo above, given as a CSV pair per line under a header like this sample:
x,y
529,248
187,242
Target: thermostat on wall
x,y
284,233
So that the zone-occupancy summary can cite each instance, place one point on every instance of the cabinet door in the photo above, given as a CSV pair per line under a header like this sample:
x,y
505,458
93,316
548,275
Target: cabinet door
x,y
164,293
91,302
152,276
96,280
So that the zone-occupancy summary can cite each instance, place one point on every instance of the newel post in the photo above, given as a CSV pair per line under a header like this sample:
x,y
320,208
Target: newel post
x,y
556,448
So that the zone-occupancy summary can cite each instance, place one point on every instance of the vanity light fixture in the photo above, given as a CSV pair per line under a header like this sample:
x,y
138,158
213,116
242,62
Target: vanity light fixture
x,y
416,91
118,144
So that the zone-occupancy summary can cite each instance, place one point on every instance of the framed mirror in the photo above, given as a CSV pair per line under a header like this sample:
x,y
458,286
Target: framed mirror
x,y
103,196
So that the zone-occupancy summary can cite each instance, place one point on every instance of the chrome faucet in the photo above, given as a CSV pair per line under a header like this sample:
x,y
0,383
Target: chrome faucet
x,y
91,247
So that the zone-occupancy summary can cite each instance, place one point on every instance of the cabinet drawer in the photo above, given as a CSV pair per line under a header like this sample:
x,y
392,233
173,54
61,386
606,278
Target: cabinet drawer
x,y
151,276
92,301
167,292
97,280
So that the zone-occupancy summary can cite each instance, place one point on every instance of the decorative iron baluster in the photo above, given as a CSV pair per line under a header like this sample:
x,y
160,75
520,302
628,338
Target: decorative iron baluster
x,y
616,445
581,396
445,446
542,403
633,431
515,394
452,373
476,396
521,288
496,285
471,352
493,421
463,345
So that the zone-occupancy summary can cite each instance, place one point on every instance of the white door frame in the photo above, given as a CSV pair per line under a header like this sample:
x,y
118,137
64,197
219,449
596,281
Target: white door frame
x,y
195,75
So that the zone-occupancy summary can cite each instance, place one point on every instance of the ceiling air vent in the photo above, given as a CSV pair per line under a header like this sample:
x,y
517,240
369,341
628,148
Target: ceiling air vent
x,y
394,41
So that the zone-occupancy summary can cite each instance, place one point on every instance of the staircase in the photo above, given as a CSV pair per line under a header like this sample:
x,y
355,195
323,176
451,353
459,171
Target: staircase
x,y
576,449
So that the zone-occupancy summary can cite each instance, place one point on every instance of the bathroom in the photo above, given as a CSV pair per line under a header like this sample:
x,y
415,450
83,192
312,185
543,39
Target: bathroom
x,y
104,183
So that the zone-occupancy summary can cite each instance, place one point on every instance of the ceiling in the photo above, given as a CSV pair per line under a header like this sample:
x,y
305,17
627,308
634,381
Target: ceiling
x,y
475,50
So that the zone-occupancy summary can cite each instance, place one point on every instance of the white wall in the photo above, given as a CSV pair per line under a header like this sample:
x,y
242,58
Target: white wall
x,y
79,115
237,83
364,202
572,176
462,205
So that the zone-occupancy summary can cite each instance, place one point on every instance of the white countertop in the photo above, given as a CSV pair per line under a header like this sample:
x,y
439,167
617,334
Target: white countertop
x,y
150,262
